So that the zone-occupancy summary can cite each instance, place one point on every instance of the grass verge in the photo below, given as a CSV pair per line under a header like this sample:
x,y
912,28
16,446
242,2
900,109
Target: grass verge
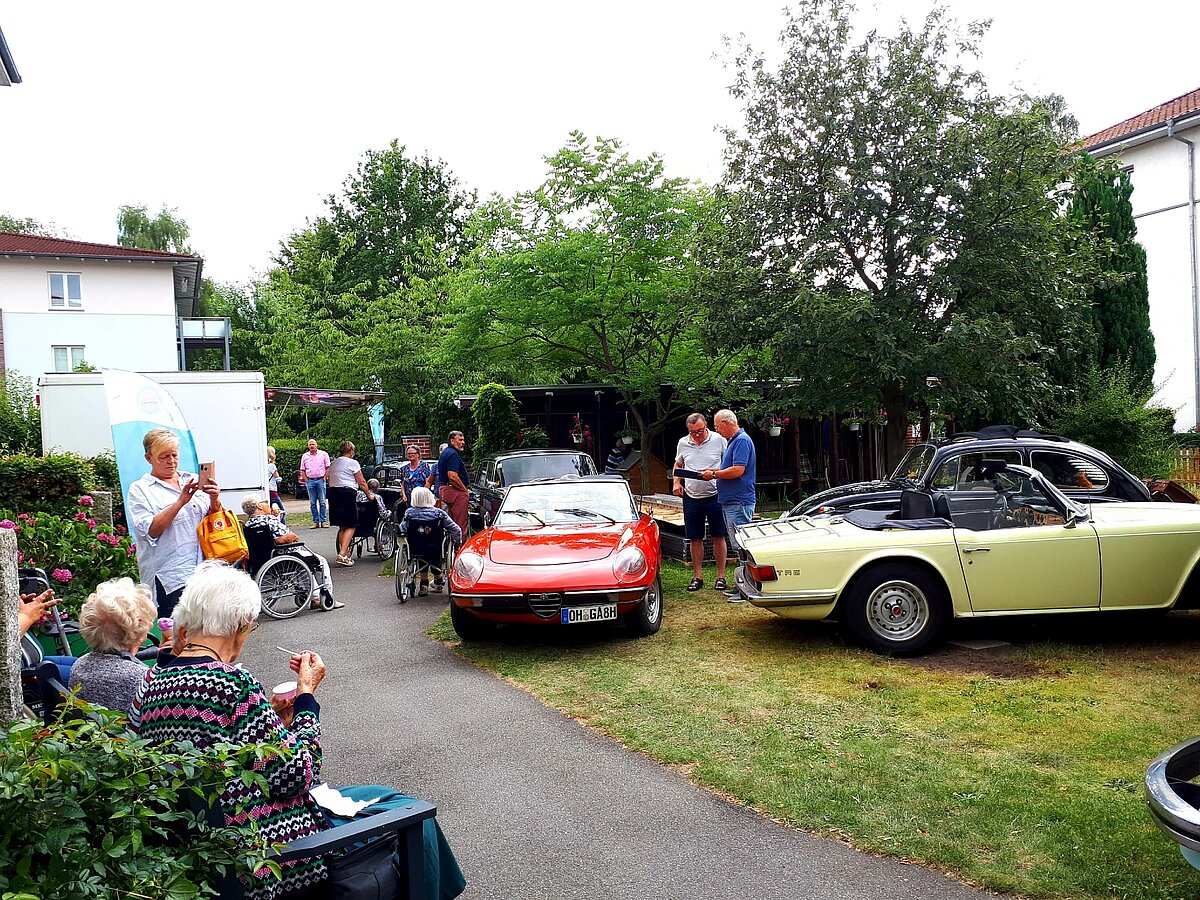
x,y
1017,768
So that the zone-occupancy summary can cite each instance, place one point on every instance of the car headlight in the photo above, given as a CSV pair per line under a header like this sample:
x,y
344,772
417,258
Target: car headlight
x,y
629,565
467,568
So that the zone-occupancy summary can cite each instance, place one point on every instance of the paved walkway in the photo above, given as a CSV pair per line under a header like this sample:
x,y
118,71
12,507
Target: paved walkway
x,y
535,805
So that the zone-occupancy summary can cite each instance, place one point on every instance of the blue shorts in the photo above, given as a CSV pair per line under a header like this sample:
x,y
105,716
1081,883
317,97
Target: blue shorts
x,y
697,512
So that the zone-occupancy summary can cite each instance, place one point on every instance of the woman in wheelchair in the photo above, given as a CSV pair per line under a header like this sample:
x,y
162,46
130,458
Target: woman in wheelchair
x,y
260,515
201,695
423,514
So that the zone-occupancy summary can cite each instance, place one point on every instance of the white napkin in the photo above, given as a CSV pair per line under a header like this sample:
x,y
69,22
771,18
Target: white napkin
x,y
336,803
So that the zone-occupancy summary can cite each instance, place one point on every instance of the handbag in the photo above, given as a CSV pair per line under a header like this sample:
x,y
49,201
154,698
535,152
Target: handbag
x,y
221,537
366,872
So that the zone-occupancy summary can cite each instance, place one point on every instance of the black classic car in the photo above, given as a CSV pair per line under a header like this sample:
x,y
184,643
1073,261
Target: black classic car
x,y
388,474
955,467
497,473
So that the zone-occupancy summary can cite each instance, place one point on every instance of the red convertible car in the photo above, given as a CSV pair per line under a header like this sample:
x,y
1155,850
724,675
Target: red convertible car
x,y
565,551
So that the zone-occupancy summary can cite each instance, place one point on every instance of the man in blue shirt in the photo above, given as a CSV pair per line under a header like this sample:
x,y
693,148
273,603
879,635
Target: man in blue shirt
x,y
453,480
735,480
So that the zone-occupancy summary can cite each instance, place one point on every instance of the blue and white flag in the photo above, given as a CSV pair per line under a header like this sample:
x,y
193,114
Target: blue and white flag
x,y
136,404
375,416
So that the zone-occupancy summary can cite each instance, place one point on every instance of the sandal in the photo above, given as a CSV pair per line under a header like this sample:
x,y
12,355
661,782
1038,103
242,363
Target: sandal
x,y
424,591
695,585
344,561
720,585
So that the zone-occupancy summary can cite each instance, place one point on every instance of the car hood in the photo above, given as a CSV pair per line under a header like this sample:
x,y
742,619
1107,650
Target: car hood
x,y
554,544
832,495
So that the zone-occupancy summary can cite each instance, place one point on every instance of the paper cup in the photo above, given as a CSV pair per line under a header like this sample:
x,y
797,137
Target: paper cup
x,y
285,691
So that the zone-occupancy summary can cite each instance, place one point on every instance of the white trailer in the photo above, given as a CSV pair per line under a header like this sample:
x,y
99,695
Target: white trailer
x,y
226,412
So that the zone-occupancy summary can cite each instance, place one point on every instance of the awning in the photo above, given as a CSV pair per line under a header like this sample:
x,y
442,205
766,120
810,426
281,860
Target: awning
x,y
323,397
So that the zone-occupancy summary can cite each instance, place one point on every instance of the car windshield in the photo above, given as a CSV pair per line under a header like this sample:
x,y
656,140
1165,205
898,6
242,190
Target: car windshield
x,y
914,464
552,465
560,502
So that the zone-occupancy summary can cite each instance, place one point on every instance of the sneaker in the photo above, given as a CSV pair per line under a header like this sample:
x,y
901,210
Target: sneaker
x,y
695,585
315,525
720,585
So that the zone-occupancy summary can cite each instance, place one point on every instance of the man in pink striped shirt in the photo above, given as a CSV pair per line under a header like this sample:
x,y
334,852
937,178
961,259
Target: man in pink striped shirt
x,y
313,467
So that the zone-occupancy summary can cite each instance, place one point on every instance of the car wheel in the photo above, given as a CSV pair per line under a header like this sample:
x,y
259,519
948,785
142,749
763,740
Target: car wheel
x,y
470,627
647,617
897,609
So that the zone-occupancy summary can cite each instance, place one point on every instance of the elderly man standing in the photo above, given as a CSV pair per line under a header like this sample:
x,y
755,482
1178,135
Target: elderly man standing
x,y
453,480
701,449
314,466
735,479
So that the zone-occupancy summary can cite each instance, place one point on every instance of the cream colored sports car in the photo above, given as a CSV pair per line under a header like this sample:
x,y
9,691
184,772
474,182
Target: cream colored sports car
x,y
1019,546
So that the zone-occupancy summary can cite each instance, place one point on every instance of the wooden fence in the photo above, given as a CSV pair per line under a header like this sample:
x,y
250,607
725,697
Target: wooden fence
x,y
1187,467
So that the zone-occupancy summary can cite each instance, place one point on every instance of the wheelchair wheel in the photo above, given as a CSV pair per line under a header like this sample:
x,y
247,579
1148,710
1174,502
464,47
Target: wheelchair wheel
x,y
286,585
405,582
447,561
385,539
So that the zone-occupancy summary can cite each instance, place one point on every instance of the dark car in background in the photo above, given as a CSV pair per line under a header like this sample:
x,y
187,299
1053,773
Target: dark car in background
x,y
500,471
388,474
955,467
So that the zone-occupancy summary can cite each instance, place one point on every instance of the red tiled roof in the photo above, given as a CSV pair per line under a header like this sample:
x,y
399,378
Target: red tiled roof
x,y
1172,109
36,245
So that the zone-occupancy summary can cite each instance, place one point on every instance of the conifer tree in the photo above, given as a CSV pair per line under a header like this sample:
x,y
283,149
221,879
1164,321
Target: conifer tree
x,y
1121,300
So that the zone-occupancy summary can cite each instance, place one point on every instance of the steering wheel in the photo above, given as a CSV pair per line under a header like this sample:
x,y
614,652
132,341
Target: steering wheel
x,y
1000,508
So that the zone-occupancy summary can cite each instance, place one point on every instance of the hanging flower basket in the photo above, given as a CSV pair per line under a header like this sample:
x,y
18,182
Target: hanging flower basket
x,y
627,439
853,425
577,439
776,424
774,430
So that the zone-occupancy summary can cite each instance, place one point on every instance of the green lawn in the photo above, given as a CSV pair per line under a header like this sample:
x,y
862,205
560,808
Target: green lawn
x,y
1018,769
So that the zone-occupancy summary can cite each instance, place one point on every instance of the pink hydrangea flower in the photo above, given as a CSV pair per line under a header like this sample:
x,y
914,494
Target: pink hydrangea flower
x,y
85,500
92,524
20,557
9,524
63,575
24,517
81,516
121,529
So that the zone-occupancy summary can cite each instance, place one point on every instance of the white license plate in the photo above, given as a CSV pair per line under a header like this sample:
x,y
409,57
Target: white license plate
x,y
574,615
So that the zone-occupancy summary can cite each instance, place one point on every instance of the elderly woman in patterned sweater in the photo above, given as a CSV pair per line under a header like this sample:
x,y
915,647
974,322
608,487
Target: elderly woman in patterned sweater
x,y
114,621
201,695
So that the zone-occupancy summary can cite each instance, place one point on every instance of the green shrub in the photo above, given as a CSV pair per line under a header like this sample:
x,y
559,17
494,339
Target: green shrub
x,y
76,552
533,436
287,456
44,483
20,420
91,811
1111,415
495,414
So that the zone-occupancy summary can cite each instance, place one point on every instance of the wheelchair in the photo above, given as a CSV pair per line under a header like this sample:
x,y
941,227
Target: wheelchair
x,y
289,576
427,548
375,533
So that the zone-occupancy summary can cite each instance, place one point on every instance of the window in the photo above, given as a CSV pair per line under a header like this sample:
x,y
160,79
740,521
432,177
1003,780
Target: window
x,y
967,471
67,359
65,291
1069,472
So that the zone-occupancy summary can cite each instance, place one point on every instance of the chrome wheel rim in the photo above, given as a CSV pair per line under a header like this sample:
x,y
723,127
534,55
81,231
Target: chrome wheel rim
x,y
898,611
653,603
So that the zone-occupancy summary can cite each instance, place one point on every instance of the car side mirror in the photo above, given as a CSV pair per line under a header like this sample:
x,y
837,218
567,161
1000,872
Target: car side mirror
x,y
1072,520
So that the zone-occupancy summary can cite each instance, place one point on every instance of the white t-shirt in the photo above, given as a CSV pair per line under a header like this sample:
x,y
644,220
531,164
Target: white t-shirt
x,y
707,455
342,471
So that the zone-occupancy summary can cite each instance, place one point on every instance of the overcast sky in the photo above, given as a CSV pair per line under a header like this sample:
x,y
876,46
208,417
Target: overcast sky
x,y
245,116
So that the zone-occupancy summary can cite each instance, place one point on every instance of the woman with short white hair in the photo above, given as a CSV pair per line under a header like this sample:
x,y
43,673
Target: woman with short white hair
x,y
114,621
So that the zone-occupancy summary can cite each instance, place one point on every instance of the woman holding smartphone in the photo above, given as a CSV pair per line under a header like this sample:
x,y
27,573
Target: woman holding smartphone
x,y
164,507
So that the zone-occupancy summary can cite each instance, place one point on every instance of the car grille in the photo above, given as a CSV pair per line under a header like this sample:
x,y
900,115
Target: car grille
x,y
545,605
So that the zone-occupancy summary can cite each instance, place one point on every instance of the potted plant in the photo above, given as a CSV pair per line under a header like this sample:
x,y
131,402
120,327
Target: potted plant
x,y
776,424
626,436
581,434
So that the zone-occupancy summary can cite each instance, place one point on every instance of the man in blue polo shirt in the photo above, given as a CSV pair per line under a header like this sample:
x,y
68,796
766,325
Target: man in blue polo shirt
x,y
735,480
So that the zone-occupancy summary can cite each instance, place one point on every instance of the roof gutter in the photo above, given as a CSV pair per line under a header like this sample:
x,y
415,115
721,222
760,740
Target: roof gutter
x,y
1191,152
1144,135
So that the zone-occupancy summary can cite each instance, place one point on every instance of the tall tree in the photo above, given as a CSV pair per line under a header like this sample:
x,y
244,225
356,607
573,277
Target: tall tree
x,y
18,225
166,231
594,275
375,228
905,221
1121,300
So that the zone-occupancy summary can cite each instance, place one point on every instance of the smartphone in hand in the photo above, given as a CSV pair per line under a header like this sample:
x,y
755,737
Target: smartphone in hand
x,y
207,473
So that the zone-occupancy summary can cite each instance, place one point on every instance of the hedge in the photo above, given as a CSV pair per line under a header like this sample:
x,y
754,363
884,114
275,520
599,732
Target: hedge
x,y
50,484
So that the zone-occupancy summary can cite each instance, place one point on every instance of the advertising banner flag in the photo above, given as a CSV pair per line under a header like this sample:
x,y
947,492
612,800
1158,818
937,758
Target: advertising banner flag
x,y
136,404
375,415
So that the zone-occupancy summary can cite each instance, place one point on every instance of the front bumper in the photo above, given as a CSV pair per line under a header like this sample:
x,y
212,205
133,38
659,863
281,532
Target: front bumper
x,y
544,607
752,593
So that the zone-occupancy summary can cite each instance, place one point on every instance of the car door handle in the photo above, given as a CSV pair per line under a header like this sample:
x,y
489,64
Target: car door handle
x,y
977,549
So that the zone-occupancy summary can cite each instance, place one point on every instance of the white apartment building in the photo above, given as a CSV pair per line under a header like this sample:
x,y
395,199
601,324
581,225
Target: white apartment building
x,y
1158,147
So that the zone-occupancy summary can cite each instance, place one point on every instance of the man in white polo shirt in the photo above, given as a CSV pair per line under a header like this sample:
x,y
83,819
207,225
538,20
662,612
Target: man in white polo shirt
x,y
701,449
